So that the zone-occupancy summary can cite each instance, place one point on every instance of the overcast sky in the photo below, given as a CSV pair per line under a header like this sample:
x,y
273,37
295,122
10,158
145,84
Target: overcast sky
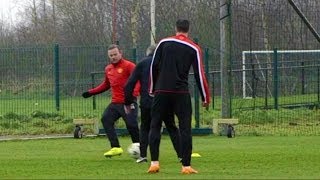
x,y
8,10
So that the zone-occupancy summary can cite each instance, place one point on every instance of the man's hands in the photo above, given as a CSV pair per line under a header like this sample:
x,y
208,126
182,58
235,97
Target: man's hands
x,y
86,94
128,108
205,104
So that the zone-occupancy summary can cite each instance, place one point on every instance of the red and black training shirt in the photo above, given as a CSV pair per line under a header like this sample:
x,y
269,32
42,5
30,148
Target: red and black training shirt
x,y
116,76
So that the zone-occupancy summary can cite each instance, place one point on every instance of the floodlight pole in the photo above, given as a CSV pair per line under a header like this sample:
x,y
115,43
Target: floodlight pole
x,y
225,57
153,21
305,20
114,22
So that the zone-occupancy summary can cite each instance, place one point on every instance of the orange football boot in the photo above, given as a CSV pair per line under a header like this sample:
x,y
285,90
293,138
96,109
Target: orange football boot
x,y
154,168
188,170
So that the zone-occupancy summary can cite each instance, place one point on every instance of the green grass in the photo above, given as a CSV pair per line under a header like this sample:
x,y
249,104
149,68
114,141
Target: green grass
x,y
222,158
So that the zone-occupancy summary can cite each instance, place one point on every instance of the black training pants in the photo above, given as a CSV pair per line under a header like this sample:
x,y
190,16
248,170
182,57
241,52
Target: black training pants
x,y
145,129
111,114
164,105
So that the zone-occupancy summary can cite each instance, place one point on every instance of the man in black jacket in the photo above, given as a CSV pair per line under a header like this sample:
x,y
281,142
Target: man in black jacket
x,y
169,73
141,73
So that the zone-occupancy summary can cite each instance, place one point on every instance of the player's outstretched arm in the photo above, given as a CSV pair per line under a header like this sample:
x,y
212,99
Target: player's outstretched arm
x,y
86,94
104,86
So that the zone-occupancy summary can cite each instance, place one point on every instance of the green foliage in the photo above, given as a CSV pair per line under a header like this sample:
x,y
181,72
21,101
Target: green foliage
x,y
88,116
42,118
14,116
40,124
37,123
10,125
66,120
207,115
262,116
257,116
44,115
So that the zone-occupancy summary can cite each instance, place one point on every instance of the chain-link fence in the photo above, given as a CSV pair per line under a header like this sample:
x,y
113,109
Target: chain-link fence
x,y
275,71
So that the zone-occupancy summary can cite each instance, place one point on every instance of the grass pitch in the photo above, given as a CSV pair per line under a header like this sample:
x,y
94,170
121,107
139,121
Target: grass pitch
x,y
222,158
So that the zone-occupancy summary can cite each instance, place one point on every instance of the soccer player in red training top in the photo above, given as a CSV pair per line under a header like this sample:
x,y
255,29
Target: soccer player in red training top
x,y
116,76
169,72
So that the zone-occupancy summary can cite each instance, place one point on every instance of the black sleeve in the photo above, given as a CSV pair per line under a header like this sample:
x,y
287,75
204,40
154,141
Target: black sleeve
x,y
200,77
131,83
196,72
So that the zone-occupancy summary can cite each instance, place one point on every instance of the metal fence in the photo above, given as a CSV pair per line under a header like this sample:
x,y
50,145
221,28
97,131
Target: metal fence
x,y
274,70
41,88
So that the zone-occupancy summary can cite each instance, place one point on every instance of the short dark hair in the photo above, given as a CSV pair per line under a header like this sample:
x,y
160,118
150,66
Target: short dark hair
x,y
113,46
182,25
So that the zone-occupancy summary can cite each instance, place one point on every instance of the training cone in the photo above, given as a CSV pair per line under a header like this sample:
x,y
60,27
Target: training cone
x,y
195,155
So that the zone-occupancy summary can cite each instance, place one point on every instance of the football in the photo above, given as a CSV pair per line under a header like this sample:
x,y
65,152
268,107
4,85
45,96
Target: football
x,y
134,150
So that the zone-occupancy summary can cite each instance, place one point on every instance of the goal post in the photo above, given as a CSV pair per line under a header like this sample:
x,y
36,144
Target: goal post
x,y
266,52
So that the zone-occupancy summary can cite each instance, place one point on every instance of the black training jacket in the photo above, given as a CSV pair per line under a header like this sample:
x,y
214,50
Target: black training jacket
x,y
170,67
140,73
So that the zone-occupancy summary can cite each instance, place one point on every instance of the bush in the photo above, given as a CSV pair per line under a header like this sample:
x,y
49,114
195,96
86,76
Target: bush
x,y
44,115
14,116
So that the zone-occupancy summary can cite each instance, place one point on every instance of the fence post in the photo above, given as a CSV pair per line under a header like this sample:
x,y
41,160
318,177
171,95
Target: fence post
x,y
94,103
56,76
302,78
253,77
266,91
206,61
318,87
275,79
212,90
134,55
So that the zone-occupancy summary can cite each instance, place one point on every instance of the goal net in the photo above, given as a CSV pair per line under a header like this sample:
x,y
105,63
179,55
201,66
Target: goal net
x,y
297,68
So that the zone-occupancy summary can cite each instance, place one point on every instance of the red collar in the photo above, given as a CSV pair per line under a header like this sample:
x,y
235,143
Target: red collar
x,y
181,37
